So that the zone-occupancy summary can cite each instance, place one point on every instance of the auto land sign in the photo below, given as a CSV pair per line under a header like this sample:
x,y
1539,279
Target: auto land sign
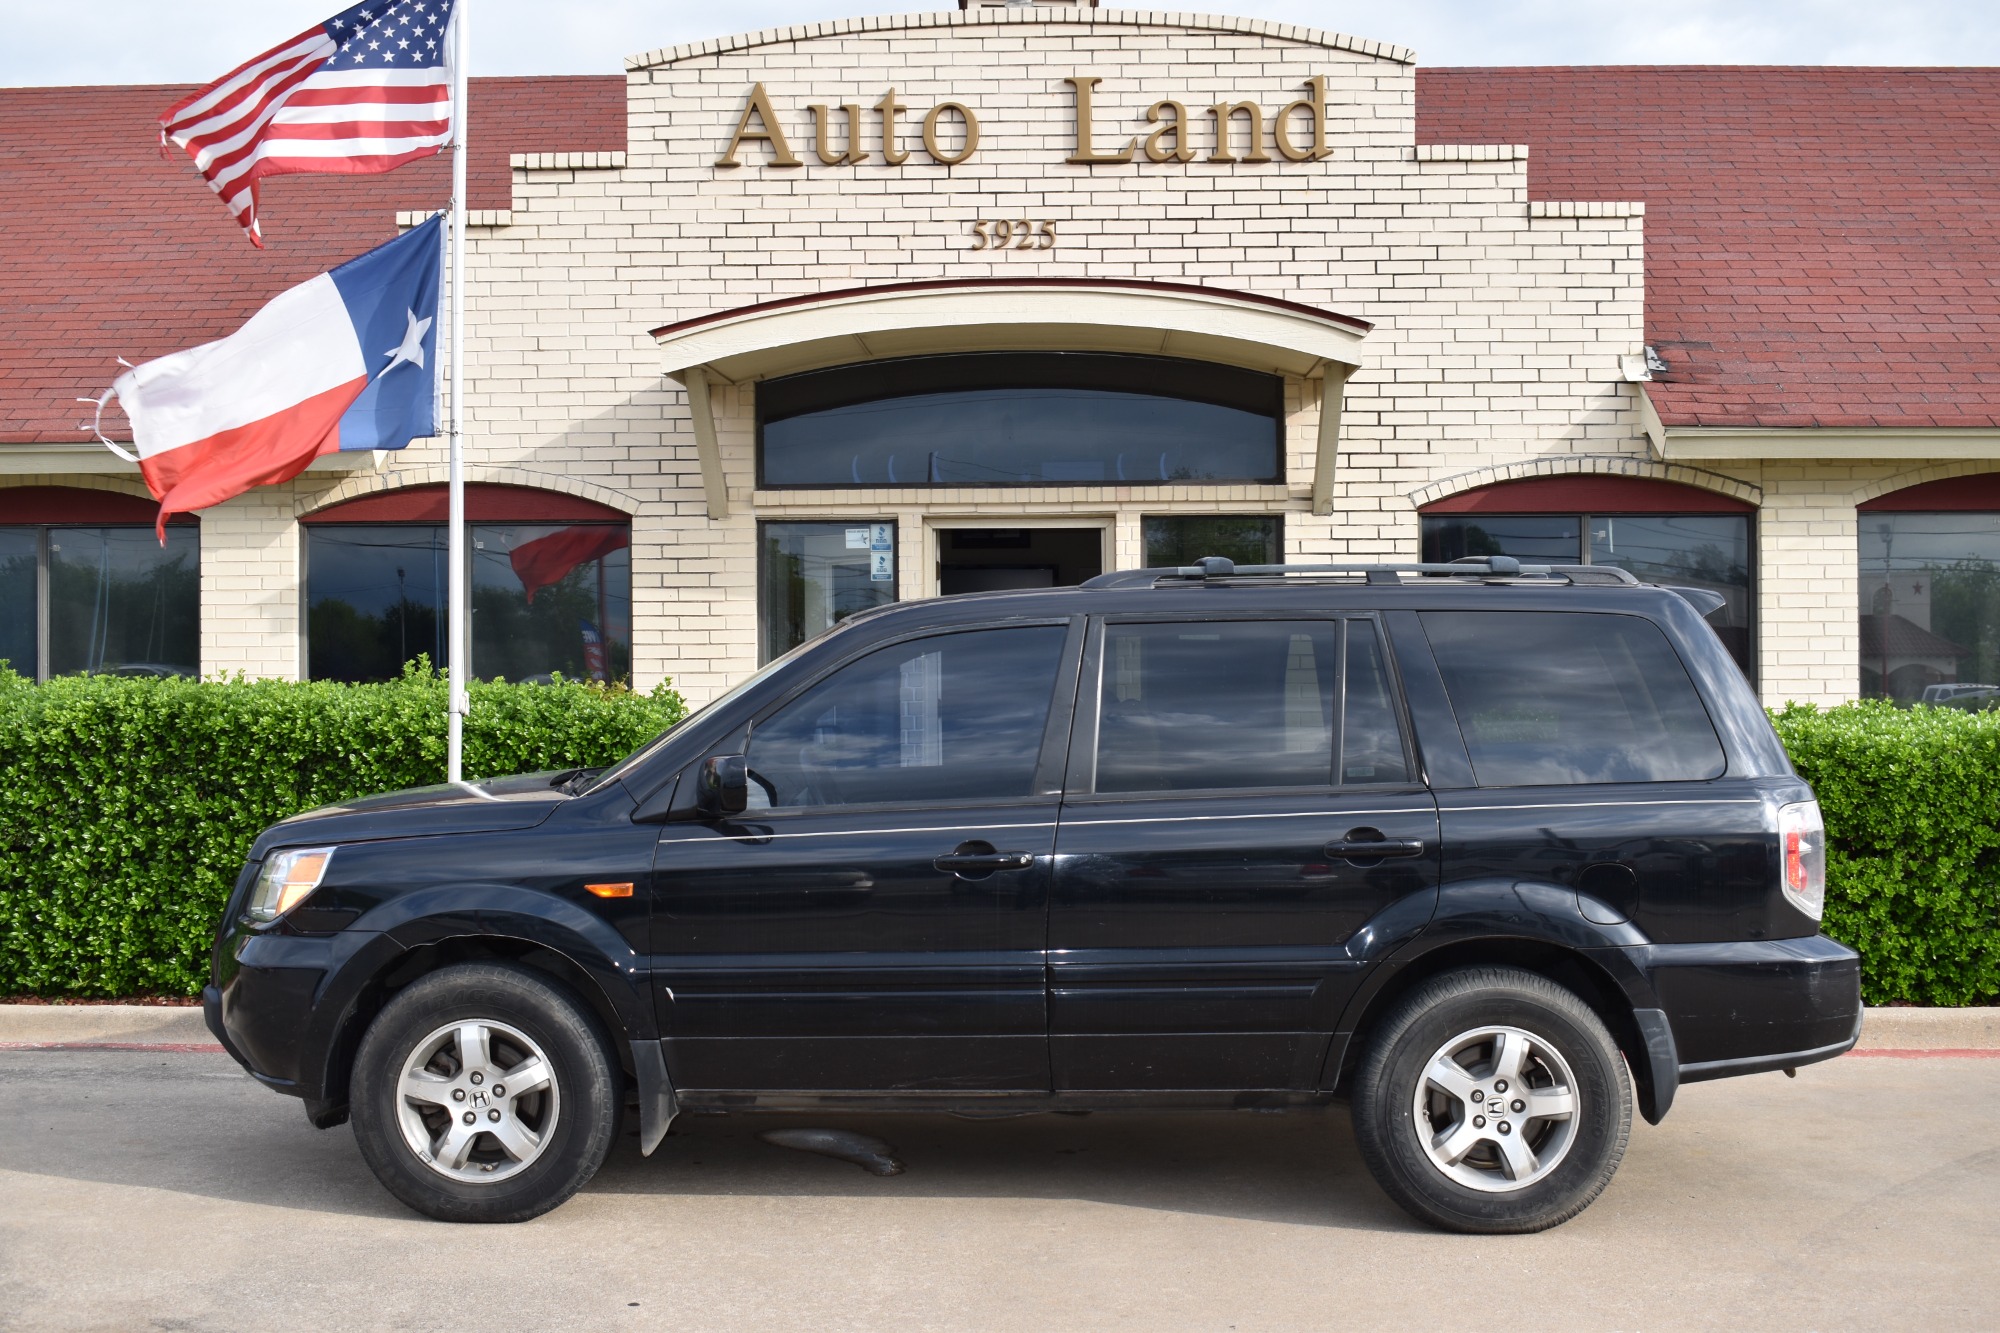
x,y
950,131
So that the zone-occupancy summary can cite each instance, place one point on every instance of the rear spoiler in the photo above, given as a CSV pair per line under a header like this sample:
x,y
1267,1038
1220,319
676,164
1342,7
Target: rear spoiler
x,y
1705,600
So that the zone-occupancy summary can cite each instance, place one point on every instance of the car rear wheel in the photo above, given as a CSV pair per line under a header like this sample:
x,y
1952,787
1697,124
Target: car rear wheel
x,y
484,1093
1492,1100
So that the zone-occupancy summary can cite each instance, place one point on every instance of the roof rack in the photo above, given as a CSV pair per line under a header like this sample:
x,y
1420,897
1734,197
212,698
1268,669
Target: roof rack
x,y
1484,567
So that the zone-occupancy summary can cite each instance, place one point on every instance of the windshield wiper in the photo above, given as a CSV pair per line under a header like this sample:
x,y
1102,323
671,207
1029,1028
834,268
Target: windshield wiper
x,y
572,780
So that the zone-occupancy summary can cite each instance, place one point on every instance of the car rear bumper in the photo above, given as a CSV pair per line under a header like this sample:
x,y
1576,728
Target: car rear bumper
x,y
1746,1007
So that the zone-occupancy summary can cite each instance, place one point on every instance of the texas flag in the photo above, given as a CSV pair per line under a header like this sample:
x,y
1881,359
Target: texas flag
x,y
344,361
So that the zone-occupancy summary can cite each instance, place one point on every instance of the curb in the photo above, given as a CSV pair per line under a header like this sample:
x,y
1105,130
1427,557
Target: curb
x,y
135,1027
1929,1030
165,1047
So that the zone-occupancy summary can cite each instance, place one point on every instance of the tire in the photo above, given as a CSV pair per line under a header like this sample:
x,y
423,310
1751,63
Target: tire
x,y
526,1149
1434,1067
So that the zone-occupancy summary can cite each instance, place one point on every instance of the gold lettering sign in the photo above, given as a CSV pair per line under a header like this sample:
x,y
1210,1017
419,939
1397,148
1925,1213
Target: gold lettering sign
x,y
768,132
1299,131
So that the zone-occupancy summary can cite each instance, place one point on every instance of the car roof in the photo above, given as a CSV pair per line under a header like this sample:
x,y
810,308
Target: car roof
x,y
1133,593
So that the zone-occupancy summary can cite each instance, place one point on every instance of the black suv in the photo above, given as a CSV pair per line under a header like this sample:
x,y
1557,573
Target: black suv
x,y
1491,851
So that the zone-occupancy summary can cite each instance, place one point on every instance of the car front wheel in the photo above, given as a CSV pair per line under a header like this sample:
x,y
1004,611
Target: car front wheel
x,y
484,1093
1492,1100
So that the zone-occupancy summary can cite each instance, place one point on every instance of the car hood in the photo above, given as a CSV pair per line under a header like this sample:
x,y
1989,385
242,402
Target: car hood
x,y
494,806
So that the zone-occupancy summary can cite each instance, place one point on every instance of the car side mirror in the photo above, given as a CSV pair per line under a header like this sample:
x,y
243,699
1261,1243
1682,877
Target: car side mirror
x,y
723,788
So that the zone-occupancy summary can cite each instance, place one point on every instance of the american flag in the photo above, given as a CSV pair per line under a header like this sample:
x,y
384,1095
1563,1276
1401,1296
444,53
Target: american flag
x,y
365,91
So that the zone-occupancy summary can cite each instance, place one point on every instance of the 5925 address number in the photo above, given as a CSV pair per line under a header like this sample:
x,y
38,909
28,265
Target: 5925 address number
x,y
1014,234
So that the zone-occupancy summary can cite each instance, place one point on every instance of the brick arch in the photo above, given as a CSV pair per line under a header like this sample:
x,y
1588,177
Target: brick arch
x,y
403,478
115,485
1901,481
1605,465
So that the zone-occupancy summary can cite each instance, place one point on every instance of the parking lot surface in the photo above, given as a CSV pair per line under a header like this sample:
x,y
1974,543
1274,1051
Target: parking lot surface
x,y
164,1190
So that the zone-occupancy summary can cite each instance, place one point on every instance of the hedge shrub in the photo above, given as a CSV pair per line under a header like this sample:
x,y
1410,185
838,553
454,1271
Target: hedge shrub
x,y
1912,805
127,805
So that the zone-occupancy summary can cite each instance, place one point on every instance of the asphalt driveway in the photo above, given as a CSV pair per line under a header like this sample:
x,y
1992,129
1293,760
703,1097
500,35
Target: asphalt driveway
x,y
161,1189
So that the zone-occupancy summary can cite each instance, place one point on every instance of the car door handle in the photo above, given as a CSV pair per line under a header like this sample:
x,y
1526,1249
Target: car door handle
x,y
1367,844
976,860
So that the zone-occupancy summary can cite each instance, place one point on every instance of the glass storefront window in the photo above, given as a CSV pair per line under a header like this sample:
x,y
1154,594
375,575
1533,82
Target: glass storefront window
x,y
19,558
1019,419
118,602
121,603
1691,550
547,599
1247,539
812,576
1930,608
552,598
1542,538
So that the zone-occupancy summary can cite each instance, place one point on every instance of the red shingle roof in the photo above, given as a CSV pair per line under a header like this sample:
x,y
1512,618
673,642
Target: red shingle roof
x,y
1822,244
112,249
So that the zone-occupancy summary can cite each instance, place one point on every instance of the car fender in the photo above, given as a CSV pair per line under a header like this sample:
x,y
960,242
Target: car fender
x,y
1508,910
360,955
509,911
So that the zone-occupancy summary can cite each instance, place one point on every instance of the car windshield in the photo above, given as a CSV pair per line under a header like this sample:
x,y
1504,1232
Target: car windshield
x,y
651,747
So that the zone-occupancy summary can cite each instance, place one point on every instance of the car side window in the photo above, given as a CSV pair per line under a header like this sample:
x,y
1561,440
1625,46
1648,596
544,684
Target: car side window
x,y
1371,736
1213,704
1556,697
951,717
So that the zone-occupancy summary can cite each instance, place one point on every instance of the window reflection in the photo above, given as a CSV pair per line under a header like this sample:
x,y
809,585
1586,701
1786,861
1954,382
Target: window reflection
x,y
812,576
1015,419
954,717
1166,724
1690,550
119,602
1930,608
19,555
547,599
1247,539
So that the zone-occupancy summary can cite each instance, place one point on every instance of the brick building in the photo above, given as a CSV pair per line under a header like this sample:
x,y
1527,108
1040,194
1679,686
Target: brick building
x,y
786,324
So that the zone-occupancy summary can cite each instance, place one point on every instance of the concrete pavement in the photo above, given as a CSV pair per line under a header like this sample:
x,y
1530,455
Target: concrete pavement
x,y
165,1190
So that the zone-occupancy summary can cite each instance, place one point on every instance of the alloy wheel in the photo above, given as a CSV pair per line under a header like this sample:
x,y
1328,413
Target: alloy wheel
x,y
1496,1109
477,1101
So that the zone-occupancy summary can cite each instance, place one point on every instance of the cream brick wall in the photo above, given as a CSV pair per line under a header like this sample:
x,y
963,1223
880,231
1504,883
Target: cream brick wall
x,y
1498,324
1497,333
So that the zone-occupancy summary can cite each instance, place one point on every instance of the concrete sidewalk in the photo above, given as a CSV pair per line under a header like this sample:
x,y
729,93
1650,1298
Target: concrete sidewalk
x,y
145,1190
31,1026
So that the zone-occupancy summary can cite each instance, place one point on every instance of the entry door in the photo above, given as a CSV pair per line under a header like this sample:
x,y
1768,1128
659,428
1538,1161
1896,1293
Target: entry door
x,y
877,920
1213,860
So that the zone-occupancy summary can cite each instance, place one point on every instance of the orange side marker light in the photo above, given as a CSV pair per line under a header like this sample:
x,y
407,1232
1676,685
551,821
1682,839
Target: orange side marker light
x,y
610,890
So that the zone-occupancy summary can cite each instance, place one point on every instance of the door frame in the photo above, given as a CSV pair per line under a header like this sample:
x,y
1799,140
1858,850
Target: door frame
x,y
933,524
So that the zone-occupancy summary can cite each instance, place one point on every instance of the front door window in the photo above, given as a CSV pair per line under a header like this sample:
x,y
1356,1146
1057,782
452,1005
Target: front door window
x,y
955,717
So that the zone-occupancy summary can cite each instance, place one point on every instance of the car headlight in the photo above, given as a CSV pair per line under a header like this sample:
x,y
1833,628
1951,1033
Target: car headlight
x,y
285,881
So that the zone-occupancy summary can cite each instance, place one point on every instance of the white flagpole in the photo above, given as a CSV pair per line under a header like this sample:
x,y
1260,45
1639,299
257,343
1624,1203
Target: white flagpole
x,y
458,631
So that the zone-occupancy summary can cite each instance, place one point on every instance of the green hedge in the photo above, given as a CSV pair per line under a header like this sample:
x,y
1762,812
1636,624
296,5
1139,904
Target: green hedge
x,y
1912,805
127,805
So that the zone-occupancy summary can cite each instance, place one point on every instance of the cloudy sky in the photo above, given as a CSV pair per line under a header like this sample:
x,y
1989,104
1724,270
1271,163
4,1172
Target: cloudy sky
x,y
147,41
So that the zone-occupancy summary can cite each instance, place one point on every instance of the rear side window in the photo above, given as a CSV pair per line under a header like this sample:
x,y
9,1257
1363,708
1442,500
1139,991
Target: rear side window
x,y
1205,705
1560,697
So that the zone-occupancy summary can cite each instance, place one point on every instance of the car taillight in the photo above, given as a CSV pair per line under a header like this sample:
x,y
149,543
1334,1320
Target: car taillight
x,y
1802,844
